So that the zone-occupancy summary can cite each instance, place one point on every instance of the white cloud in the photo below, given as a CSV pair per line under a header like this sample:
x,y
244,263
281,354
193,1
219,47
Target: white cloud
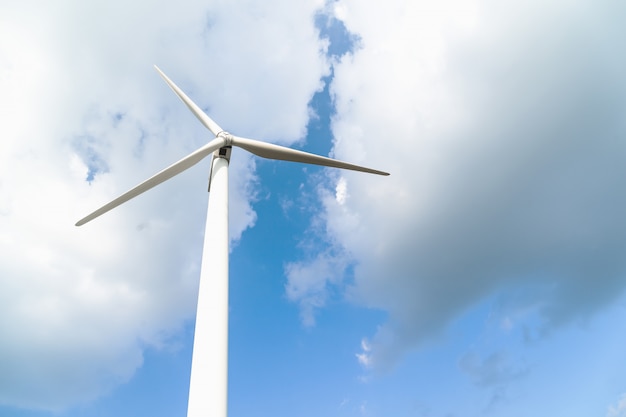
x,y
79,305
341,191
364,357
502,126
619,409
307,283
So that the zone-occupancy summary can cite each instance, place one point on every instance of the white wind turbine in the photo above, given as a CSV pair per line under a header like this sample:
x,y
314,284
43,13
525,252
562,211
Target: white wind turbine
x,y
209,366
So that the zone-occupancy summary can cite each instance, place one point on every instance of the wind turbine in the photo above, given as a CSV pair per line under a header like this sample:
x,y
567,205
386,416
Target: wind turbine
x,y
209,366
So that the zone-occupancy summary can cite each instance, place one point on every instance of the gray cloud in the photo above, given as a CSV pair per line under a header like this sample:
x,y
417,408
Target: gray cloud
x,y
503,128
494,372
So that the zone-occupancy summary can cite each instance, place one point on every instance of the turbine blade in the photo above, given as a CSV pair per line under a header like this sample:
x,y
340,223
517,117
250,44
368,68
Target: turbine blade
x,y
197,111
174,169
271,151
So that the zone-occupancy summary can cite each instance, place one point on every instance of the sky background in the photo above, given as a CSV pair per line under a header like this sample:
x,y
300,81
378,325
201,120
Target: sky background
x,y
484,277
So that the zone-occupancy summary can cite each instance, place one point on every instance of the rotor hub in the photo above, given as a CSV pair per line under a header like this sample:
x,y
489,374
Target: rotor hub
x,y
227,137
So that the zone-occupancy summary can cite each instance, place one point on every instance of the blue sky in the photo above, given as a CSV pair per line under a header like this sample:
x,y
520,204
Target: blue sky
x,y
484,277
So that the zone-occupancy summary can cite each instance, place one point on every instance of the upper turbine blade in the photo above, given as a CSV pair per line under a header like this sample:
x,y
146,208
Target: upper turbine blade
x,y
197,111
271,151
174,169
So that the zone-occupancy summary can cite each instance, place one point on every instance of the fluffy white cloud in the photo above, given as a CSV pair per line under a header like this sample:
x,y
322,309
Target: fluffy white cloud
x,y
80,101
619,409
502,125
307,283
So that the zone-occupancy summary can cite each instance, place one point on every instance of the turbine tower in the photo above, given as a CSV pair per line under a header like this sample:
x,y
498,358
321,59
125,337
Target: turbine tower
x,y
209,366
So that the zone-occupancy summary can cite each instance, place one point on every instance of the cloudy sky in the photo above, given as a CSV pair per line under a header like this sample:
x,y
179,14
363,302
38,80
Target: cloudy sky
x,y
485,276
